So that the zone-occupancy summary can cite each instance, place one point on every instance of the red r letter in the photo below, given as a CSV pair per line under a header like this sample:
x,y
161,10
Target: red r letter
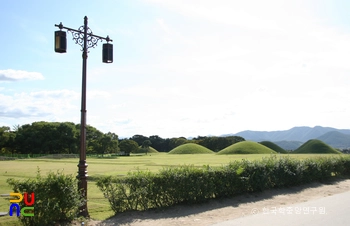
x,y
26,199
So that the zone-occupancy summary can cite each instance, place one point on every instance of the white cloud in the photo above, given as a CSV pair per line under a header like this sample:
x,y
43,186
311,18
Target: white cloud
x,y
37,104
18,75
54,94
98,94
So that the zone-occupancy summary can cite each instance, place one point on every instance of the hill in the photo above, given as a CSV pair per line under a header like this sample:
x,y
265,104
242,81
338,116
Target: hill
x,y
246,147
273,146
336,139
316,146
191,148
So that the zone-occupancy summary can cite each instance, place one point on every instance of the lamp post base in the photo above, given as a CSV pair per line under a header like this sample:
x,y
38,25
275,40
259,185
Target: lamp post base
x,y
82,187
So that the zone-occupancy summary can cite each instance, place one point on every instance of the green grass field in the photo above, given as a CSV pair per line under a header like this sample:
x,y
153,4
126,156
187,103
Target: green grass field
x,y
97,204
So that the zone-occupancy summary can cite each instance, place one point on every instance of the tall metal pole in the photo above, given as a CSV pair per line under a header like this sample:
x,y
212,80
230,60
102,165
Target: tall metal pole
x,y
82,173
83,37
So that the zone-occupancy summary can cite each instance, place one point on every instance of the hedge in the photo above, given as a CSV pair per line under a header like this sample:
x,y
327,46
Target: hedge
x,y
144,190
56,199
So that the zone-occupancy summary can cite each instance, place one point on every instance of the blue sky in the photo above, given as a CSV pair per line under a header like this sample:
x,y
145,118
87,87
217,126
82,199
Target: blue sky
x,y
181,67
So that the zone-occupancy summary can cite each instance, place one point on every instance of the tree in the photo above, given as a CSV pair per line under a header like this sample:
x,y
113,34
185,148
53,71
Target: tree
x,y
46,138
109,143
93,140
175,142
127,146
159,143
57,138
146,144
68,137
7,138
33,138
139,139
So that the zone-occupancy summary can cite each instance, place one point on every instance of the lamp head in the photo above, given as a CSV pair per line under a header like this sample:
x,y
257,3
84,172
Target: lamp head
x,y
60,41
107,53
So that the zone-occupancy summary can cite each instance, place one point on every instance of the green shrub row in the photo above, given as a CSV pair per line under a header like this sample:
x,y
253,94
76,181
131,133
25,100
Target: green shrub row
x,y
56,198
188,184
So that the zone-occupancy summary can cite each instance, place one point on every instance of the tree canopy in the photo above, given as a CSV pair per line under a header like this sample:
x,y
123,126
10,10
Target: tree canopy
x,y
55,138
128,146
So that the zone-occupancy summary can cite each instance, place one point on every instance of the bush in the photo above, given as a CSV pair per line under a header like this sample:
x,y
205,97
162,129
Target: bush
x,y
56,198
189,184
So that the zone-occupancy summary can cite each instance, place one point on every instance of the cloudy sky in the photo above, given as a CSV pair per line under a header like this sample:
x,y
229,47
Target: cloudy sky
x,y
181,67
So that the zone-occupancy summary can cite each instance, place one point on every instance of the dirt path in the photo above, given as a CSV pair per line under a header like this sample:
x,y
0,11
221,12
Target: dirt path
x,y
216,211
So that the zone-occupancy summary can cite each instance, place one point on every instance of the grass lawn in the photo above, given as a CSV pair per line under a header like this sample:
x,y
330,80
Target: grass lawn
x,y
97,204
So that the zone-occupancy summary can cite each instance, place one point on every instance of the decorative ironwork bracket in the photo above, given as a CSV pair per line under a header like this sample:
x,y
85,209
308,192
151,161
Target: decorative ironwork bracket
x,y
78,36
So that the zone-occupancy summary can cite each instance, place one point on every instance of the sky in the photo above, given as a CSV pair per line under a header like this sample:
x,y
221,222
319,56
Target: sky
x,y
181,67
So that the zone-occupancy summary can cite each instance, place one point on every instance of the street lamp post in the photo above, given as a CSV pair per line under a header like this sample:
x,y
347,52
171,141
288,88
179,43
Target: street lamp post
x,y
83,37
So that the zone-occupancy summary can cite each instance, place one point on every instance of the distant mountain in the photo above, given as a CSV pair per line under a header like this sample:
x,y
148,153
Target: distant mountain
x,y
289,145
336,139
302,134
291,139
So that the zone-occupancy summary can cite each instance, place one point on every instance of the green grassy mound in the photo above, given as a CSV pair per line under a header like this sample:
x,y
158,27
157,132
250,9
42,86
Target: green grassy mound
x,y
273,146
316,146
246,147
143,150
191,149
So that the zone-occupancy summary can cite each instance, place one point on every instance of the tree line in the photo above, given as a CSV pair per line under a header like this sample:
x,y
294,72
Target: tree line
x,y
64,138
214,143
55,138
